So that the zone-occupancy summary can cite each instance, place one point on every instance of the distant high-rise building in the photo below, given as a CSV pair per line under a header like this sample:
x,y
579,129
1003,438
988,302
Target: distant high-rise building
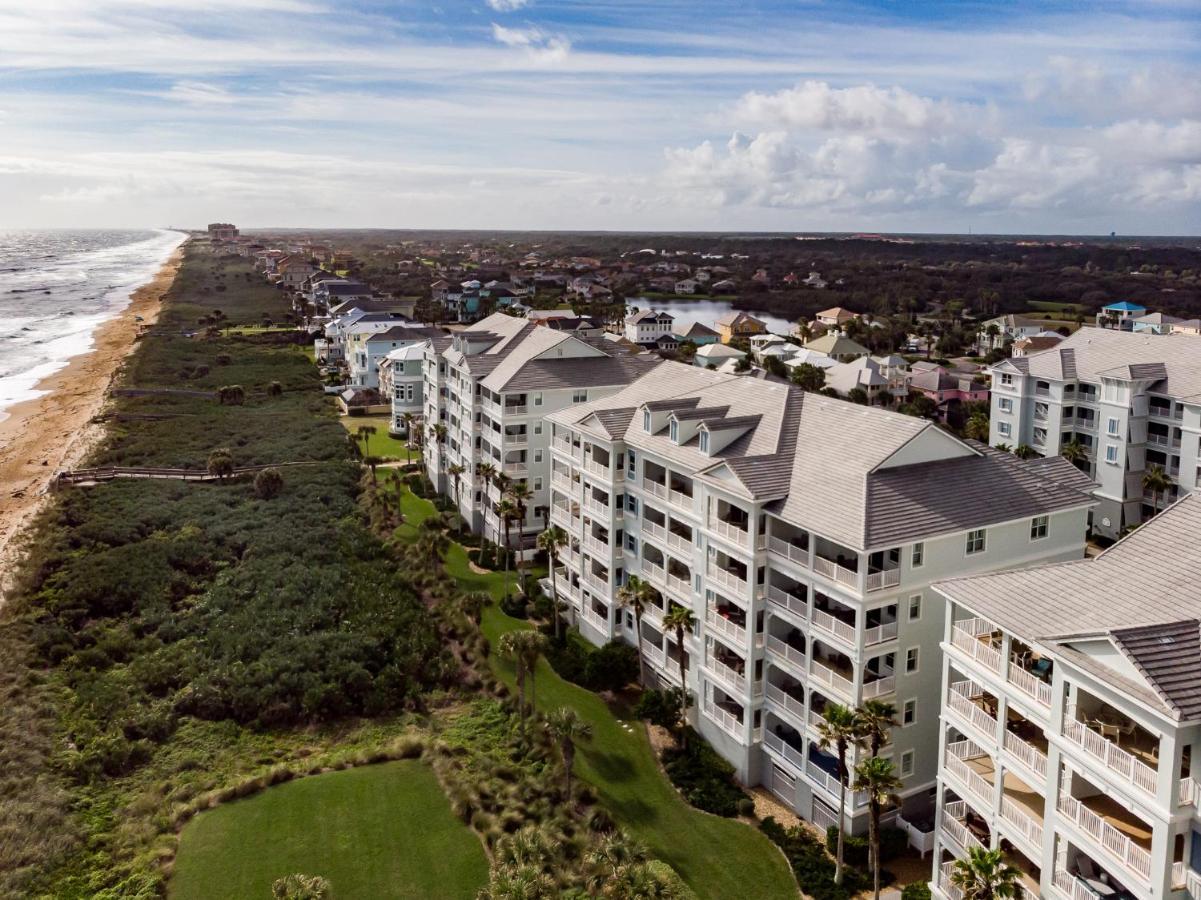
x,y
222,231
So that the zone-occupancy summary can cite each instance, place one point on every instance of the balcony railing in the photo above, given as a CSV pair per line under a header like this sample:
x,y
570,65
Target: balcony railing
x,y
786,652
595,468
726,628
834,626
879,687
960,701
653,530
1030,756
953,816
678,542
652,571
597,546
1116,760
780,547
1110,839
1027,826
785,701
597,508
944,881
825,674
773,741
877,581
735,534
595,582
835,572
726,719
727,675
595,620
654,488
831,785
562,517
516,410
680,500
515,468
966,636
780,597
1190,794
560,480
1074,887
726,578
956,764
1029,684
878,634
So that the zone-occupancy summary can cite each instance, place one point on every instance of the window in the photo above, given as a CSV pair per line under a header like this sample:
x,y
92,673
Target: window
x,y
632,503
631,543
1004,429
537,484
911,659
537,399
1111,428
537,456
1006,378
1111,454
915,607
646,421
1005,404
579,397
675,431
975,541
906,763
909,712
703,441
537,428
919,556
1038,527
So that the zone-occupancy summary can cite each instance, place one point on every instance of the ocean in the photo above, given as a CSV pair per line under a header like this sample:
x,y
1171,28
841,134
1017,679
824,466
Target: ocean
x,y
57,287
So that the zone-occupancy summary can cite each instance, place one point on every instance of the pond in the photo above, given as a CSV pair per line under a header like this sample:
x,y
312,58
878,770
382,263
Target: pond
x,y
707,312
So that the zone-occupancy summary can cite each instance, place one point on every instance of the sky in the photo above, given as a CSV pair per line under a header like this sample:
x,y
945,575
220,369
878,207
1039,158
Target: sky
x,y
920,116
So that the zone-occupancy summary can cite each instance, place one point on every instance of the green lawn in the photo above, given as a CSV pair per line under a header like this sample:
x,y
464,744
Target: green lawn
x,y
381,443
374,832
1054,306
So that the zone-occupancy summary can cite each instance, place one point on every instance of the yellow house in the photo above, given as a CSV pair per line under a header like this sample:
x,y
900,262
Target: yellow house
x,y
738,325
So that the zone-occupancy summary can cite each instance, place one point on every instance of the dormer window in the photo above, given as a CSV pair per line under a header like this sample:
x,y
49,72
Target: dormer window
x,y
646,421
675,431
703,440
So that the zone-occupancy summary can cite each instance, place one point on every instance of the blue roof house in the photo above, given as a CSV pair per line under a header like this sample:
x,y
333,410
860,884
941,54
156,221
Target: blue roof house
x,y
1120,315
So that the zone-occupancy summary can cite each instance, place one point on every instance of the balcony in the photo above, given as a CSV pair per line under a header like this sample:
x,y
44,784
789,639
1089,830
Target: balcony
x,y
678,541
729,722
721,623
726,578
734,532
979,640
961,761
560,480
681,585
835,571
597,508
515,468
600,470
823,671
562,517
879,687
598,583
516,409
1030,673
1111,827
967,700
653,572
1030,750
652,529
788,652
964,827
1021,817
789,601
654,488
822,769
879,634
598,546
727,674
794,552
595,619
516,440
886,578
786,749
787,703
681,500
824,620
1124,764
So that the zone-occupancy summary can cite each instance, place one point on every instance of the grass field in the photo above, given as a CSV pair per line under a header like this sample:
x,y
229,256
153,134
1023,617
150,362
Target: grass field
x,y
381,831
381,443
1055,306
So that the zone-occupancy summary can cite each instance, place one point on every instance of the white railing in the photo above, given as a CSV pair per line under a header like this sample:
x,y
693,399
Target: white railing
x,y
1190,794
515,468
563,446
773,741
1110,839
832,785
729,531
726,719
654,654
824,674
878,634
782,598
597,469
561,516
1192,883
1033,758
966,636
650,529
877,581
921,841
781,547
597,508
516,440
723,626
960,701
1029,684
596,545
1073,886
726,578
682,586
879,687
678,542
958,832
595,620
956,763
1029,827
654,488
836,627
816,720
651,570
727,675
1179,875
516,410
562,481
681,500
595,582
944,882
785,701
786,651
832,570
823,818
1116,759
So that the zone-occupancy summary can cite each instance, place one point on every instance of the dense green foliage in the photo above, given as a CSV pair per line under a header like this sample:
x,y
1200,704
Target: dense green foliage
x,y
918,890
811,864
893,842
382,831
705,779
608,668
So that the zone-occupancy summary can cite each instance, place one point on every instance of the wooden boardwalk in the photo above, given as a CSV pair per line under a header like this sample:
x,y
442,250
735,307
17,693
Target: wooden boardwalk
x,y
87,477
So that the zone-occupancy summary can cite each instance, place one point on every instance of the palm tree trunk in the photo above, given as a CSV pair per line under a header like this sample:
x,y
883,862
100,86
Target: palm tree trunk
x,y
554,594
874,837
638,645
842,805
568,760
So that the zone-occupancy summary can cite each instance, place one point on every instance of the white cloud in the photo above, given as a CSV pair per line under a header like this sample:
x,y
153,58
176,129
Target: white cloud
x,y
508,5
867,108
537,43
200,93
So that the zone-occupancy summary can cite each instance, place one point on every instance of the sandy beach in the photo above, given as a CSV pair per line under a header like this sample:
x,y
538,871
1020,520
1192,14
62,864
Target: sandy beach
x,y
56,430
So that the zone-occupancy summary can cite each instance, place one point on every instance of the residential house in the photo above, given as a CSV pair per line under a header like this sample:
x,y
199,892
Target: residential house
x,y
402,380
715,355
686,286
1154,323
725,286
861,374
835,317
1007,328
837,347
696,333
646,326
949,390
1071,718
738,325
1120,315
366,349
803,533
1035,344
1131,402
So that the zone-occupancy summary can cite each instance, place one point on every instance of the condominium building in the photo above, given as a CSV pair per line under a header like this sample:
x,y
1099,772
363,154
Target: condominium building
x,y
803,533
1131,401
1071,719
491,388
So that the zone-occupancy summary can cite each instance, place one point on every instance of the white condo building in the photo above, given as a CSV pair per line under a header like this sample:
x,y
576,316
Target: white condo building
x,y
1071,719
491,387
803,533
1132,400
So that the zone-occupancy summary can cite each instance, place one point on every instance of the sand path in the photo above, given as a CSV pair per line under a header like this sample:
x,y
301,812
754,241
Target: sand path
x,y
56,430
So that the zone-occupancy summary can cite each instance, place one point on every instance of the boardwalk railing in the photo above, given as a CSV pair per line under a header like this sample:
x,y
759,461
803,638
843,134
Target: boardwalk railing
x,y
109,473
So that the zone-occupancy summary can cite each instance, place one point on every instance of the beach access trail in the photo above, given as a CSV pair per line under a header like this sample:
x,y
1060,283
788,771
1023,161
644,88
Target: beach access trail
x,y
55,431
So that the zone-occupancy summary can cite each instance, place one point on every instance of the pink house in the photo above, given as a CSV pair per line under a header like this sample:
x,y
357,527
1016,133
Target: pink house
x,y
948,389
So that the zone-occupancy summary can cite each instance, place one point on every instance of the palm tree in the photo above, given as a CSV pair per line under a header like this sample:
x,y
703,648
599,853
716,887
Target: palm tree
x,y
1156,480
680,619
635,594
510,648
407,420
809,377
1073,451
455,472
506,511
976,427
839,729
439,432
876,719
1025,451
520,494
365,432
566,727
876,777
608,858
371,462
549,542
472,604
1004,448
985,875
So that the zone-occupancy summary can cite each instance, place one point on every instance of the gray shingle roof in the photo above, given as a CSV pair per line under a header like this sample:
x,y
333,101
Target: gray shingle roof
x,y
1169,657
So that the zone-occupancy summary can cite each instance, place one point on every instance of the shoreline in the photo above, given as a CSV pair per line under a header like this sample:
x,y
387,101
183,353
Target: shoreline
x,y
56,430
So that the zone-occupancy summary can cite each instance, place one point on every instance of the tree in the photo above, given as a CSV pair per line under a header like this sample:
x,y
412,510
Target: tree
x,y
520,494
275,389
506,512
567,729
1025,451
1073,451
298,886
455,472
523,648
519,883
472,604
365,433
634,595
809,377
406,419
231,395
1156,480
804,331
921,406
680,619
976,427
371,462
743,364
857,395
876,720
985,875
875,776
220,464
439,432
839,729
549,542
268,483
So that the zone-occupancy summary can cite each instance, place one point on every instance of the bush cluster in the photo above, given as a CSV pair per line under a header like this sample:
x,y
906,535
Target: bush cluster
x,y
811,864
856,847
607,668
704,778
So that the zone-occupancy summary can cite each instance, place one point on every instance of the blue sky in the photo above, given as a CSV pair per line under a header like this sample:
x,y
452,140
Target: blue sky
x,y
919,116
